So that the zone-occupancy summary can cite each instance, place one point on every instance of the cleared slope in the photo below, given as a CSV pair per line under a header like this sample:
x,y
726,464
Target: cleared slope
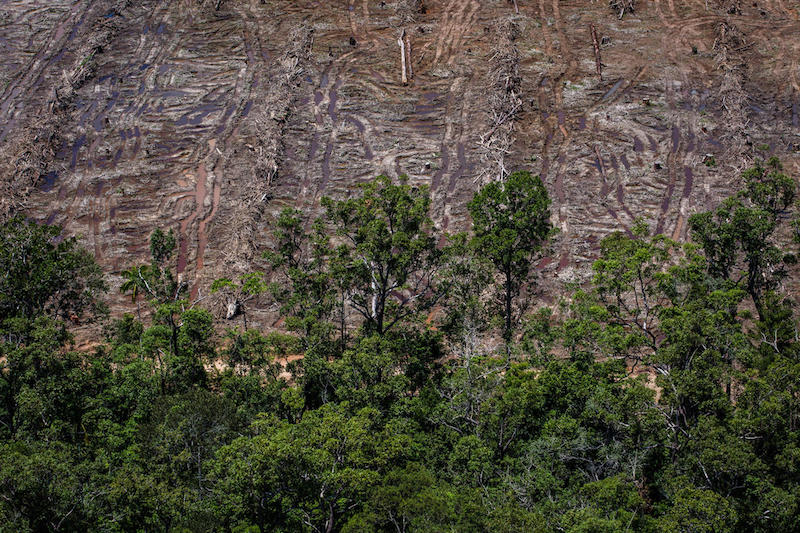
x,y
210,121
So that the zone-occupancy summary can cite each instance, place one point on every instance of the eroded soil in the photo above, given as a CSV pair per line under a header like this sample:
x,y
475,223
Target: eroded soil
x,y
135,115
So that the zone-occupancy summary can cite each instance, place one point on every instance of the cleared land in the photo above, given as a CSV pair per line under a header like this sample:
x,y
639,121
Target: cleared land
x,y
209,117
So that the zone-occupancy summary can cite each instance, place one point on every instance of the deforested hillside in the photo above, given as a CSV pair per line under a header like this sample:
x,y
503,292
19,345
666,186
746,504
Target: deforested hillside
x,y
209,117
399,266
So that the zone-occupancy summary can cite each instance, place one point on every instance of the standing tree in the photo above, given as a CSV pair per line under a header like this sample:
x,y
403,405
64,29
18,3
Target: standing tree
x,y
738,237
511,222
303,261
156,280
389,251
179,336
44,273
45,280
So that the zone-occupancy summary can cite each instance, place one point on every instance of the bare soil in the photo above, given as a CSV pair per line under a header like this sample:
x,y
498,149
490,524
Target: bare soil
x,y
119,117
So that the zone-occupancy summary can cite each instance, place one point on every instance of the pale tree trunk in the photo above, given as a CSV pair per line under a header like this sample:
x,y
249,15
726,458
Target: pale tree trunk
x,y
401,42
374,286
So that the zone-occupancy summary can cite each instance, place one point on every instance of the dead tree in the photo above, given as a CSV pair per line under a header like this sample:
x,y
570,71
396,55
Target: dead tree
x,y
401,41
596,44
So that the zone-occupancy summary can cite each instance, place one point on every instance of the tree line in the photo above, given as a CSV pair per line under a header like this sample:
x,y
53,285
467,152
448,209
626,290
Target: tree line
x,y
434,392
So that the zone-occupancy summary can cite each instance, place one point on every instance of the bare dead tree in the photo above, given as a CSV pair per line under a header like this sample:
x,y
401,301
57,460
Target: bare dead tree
x,y
403,73
596,44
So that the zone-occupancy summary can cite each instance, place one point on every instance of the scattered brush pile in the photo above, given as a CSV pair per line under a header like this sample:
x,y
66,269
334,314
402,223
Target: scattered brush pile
x,y
411,8
270,123
727,46
214,5
106,27
407,12
26,158
622,6
505,101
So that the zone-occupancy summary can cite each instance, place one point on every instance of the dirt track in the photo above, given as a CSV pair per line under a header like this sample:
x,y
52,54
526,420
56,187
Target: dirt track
x,y
211,121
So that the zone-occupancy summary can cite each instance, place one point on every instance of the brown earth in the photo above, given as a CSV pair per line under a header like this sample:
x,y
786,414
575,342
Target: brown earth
x,y
117,117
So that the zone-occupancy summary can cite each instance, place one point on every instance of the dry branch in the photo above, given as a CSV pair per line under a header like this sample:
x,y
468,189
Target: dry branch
x,y
504,101
596,44
731,7
622,7
408,11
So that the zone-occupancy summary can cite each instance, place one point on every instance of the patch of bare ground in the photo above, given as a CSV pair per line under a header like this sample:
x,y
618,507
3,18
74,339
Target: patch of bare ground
x,y
267,152
210,117
27,156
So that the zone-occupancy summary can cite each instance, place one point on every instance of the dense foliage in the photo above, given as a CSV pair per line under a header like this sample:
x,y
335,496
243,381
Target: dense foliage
x,y
662,397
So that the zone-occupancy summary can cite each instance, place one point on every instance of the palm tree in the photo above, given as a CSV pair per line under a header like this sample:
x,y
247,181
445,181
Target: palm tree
x,y
135,282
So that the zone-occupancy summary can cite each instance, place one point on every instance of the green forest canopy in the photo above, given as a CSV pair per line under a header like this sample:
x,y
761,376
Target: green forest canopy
x,y
493,417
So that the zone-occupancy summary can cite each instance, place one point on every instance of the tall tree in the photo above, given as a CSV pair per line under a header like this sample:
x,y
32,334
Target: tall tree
x,y
45,280
179,336
511,223
738,236
43,272
302,262
389,248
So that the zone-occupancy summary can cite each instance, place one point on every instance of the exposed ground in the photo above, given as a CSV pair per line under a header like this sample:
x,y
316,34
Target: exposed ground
x,y
117,117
